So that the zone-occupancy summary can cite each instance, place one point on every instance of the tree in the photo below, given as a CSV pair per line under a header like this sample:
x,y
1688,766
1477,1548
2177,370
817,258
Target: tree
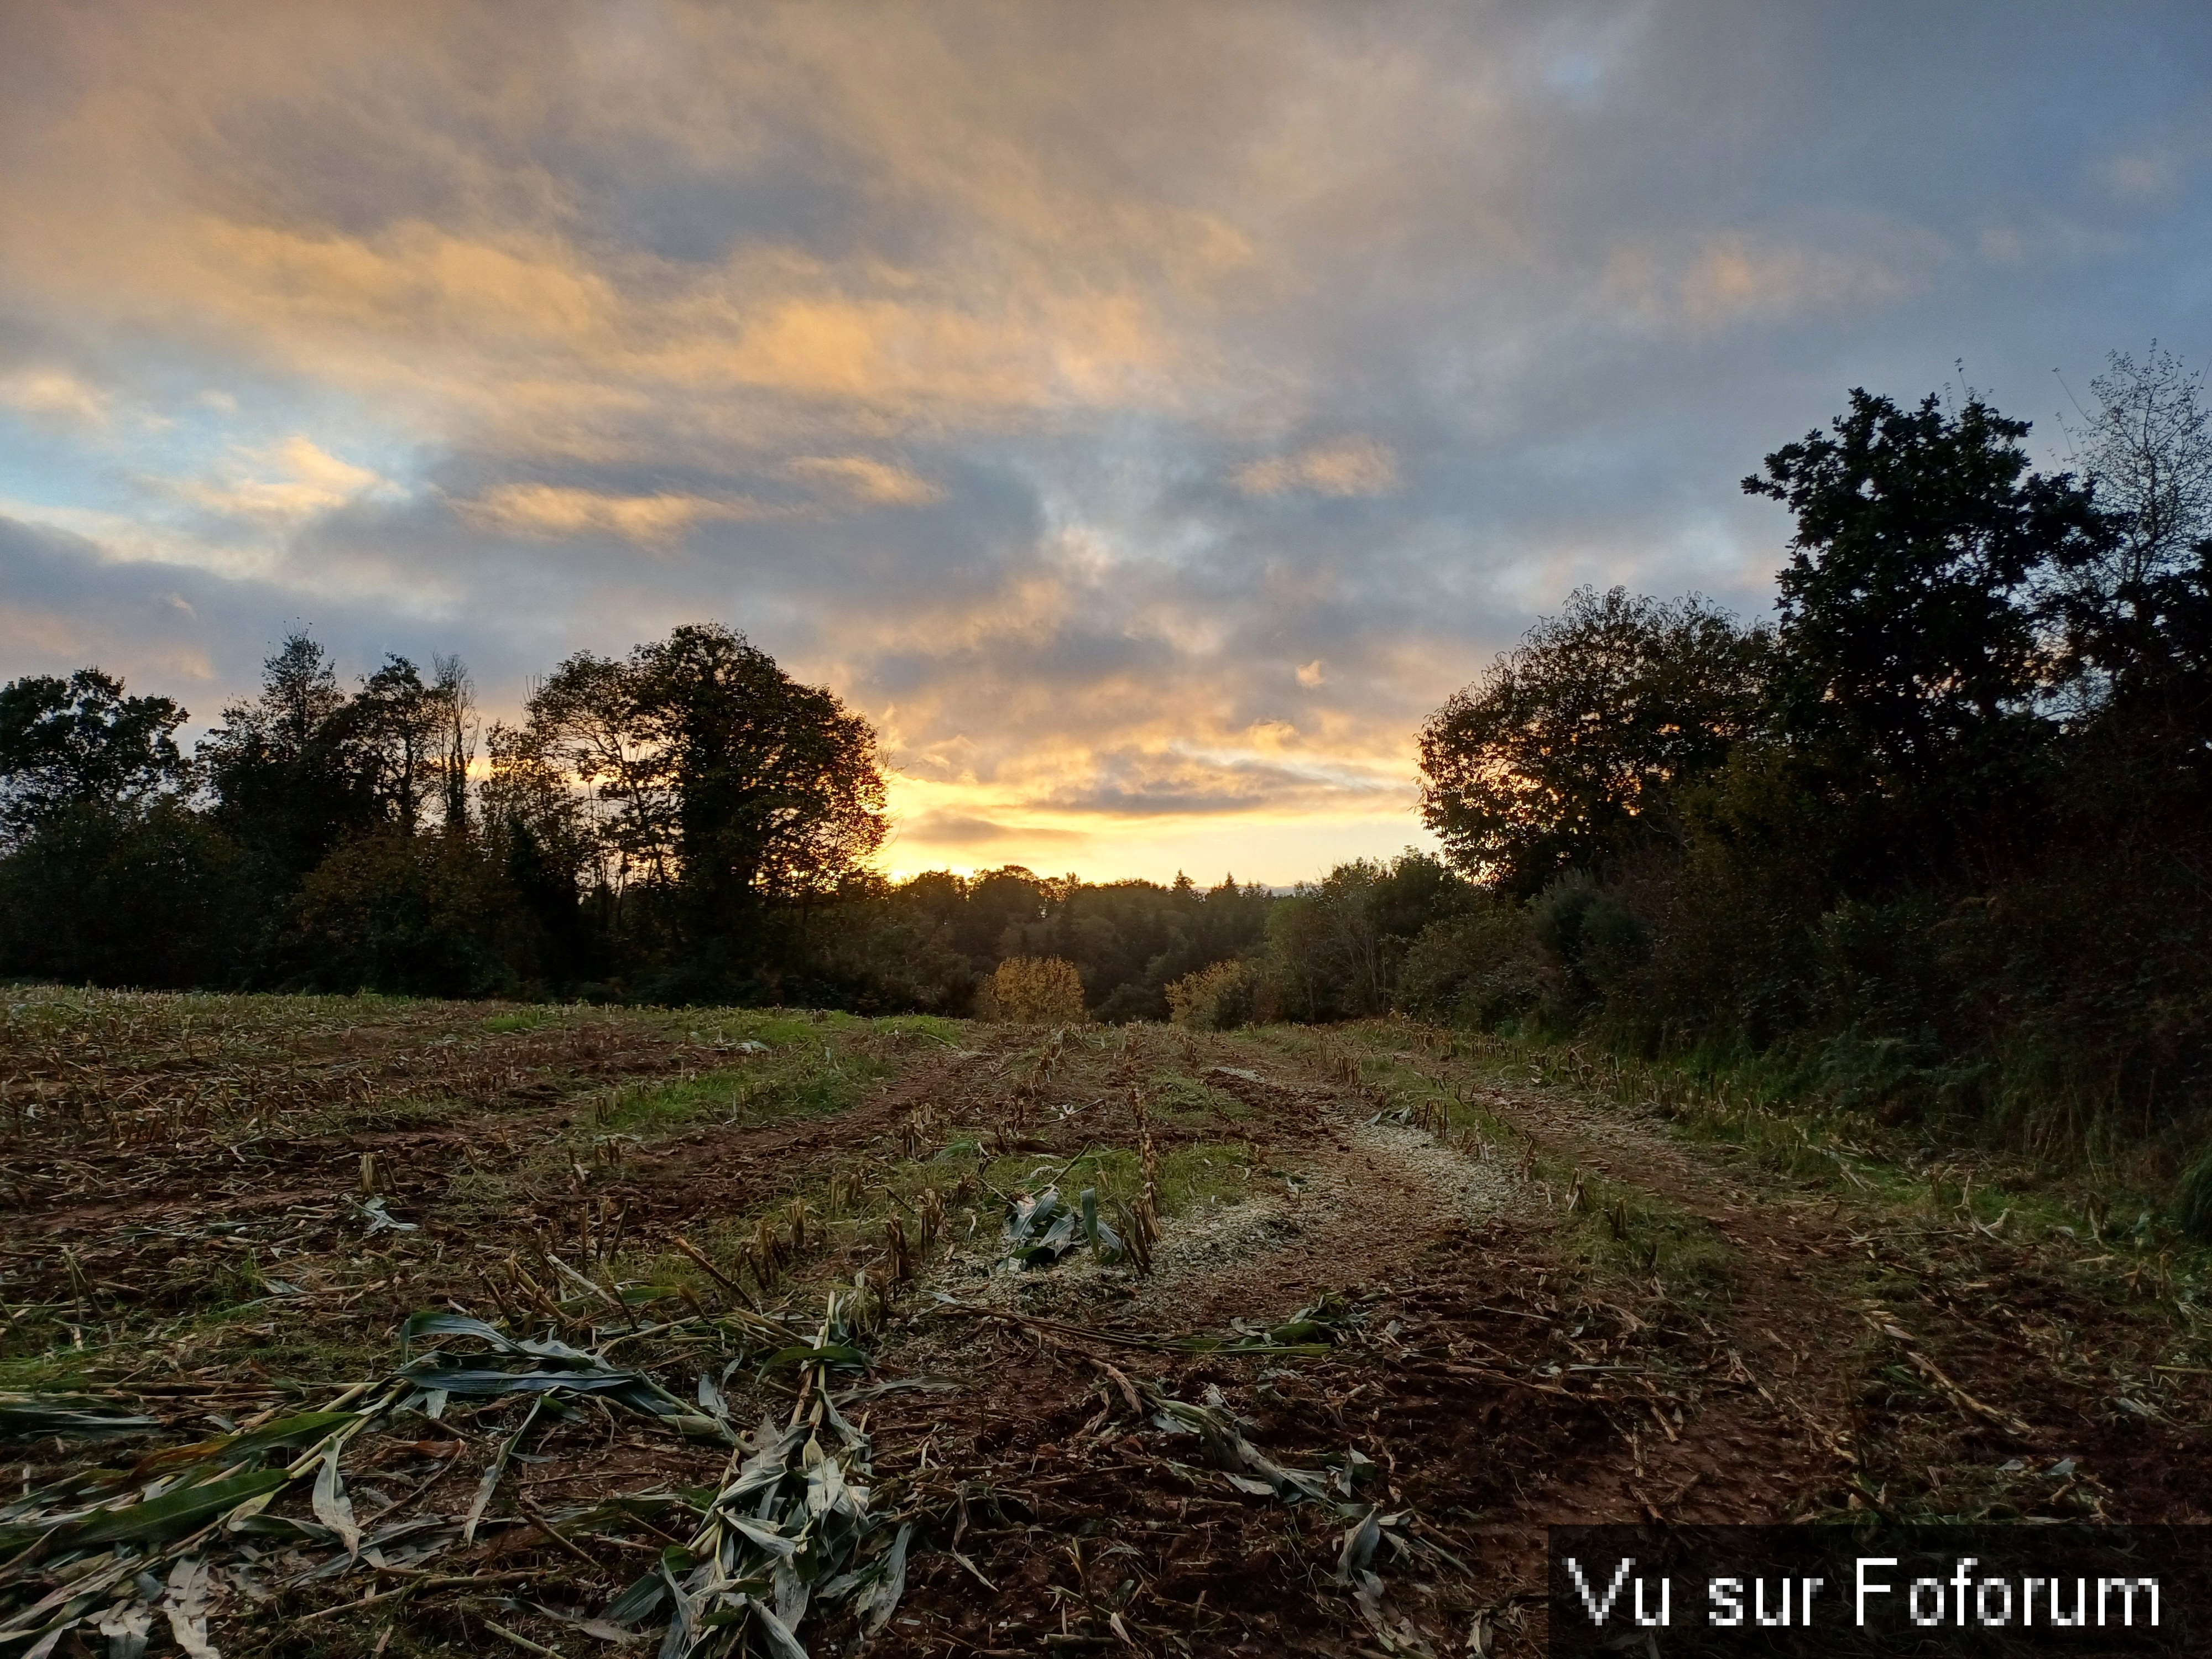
x,y
81,742
283,768
717,774
453,704
2148,452
1556,758
413,740
2134,610
302,768
779,793
398,733
1905,616
528,796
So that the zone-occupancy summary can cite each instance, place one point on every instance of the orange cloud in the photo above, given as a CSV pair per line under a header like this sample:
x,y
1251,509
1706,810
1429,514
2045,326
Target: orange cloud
x,y
557,510
284,483
1352,467
411,278
1703,282
877,483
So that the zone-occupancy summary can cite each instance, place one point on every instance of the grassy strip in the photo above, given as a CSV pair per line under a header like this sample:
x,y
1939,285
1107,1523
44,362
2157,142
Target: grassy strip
x,y
1929,1208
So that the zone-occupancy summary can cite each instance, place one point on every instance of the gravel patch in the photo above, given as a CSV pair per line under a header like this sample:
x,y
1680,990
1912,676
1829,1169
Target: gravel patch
x,y
1373,1192
1471,1189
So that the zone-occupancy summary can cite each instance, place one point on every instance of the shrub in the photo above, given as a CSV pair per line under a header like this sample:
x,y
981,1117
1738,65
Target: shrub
x,y
422,914
1033,991
156,897
1483,969
1215,999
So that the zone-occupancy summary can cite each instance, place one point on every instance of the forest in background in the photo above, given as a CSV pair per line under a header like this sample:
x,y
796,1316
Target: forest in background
x,y
1931,843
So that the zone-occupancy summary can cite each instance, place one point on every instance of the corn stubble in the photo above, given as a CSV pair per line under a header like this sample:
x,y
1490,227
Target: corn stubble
x,y
420,1328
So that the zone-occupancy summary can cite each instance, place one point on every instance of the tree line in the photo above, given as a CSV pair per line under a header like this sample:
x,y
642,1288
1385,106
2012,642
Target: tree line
x,y
653,826
1934,839
1935,836
685,824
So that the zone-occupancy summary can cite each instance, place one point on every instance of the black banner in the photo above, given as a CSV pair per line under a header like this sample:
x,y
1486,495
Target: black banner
x,y
1885,1590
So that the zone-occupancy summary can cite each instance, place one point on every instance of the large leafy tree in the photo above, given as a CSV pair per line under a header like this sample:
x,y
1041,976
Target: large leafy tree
x,y
1558,756
715,773
286,778
1908,618
81,742
302,766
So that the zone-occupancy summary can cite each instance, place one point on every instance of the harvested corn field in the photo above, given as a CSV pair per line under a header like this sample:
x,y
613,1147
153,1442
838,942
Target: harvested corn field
x,y
354,1327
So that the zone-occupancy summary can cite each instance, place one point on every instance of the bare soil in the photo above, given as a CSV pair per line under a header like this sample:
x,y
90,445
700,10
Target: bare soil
x,y
1541,1306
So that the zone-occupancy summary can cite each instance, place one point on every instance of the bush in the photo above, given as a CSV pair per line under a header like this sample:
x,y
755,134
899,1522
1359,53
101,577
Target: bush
x,y
407,915
156,897
1216,999
1480,969
1033,991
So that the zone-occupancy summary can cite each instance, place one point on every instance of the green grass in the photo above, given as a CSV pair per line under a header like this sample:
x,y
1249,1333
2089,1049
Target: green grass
x,y
746,1095
1191,1176
1903,1170
53,1365
1754,1113
1183,1101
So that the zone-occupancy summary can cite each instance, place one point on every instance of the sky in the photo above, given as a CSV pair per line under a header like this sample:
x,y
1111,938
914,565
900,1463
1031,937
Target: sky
x,y
1144,415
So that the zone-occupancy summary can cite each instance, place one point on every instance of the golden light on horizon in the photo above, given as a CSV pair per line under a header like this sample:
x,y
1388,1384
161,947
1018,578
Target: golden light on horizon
x,y
1146,415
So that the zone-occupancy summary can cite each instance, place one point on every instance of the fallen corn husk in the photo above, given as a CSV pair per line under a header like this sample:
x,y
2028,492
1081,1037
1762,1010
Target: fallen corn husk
x,y
790,1529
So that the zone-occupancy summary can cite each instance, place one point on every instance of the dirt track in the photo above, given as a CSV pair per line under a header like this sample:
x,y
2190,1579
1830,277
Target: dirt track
x,y
1504,1374
1536,1308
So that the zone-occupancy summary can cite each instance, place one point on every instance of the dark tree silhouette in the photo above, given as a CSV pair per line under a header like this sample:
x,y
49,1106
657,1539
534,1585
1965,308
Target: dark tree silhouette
x,y
1556,757
720,776
81,742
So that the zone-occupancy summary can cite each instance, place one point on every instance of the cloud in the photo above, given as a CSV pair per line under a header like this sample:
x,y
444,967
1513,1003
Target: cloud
x,y
557,510
1704,281
1046,379
284,483
54,395
902,355
876,483
1352,467
960,829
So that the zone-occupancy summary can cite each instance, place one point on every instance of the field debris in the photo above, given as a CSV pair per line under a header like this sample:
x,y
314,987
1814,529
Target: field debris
x,y
388,1330
788,1529
203,1511
1042,1230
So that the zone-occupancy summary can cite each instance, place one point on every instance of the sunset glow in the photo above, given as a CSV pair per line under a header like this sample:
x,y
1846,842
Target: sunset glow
x,y
1146,415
